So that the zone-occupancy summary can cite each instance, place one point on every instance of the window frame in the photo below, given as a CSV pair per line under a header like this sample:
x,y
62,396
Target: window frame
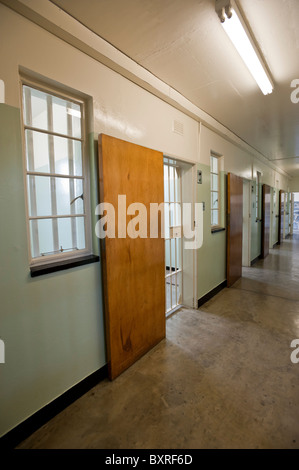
x,y
61,92
215,227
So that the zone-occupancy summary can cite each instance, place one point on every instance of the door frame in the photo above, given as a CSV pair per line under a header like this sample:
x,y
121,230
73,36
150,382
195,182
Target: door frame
x,y
189,270
246,260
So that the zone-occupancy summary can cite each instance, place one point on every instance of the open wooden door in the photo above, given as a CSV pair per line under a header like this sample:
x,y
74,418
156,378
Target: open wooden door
x,y
133,268
234,228
266,218
281,217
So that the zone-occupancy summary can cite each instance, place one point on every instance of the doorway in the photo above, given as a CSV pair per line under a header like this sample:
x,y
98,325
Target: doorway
x,y
246,237
173,235
295,212
180,272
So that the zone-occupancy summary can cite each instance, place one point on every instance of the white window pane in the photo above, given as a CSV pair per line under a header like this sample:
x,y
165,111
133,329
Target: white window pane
x,y
59,115
214,182
39,191
61,156
45,236
36,114
80,226
215,218
64,187
65,234
68,238
214,200
77,158
74,111
214,165
66,117
37,151
67,156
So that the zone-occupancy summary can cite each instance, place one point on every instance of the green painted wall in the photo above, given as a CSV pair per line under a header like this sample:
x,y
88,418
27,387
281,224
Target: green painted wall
x,y
211,267
52,325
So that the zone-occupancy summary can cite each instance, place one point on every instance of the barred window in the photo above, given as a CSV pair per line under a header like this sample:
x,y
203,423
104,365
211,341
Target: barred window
x,y
56,182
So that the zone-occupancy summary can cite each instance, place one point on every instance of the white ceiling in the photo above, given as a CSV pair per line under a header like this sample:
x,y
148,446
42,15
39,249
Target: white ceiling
x,y
182,43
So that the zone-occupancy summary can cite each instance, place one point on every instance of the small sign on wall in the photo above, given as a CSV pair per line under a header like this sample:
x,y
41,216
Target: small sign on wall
x,y
199,177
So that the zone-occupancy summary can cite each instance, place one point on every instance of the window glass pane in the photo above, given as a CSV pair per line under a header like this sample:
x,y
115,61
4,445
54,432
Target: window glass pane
x,y
80,226
214,200
37,151
66,191
215,218
65,234
66,117
71,233
74,111
61,156
214,182
214,165
39,192
45,236
67,156
35,109
59,108
77,158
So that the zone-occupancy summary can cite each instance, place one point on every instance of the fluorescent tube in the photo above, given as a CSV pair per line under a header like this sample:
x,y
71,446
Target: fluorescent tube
x,y
239,38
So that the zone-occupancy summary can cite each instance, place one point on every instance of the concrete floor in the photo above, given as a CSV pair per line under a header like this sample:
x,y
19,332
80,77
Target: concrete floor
x,y
223,377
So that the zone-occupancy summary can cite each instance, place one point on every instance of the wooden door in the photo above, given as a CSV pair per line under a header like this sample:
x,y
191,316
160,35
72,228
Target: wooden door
x,y
133,268
266,217
281,217
234,228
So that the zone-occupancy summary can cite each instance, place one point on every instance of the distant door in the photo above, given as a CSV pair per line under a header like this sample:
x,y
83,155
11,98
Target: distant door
x,y
133,268
281,217
246,240
275,217
234,228
266,218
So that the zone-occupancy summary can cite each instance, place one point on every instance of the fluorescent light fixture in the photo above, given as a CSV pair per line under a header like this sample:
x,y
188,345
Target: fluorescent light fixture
x,y
235,28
